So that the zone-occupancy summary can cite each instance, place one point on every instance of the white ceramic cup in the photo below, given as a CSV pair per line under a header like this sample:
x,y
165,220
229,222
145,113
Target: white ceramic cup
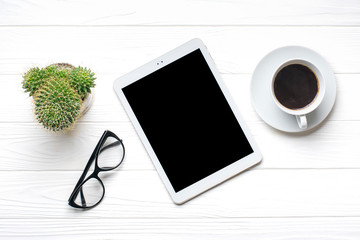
x,y
301,113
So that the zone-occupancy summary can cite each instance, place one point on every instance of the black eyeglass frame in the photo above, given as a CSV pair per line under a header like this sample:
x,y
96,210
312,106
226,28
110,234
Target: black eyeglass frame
x,y
95,174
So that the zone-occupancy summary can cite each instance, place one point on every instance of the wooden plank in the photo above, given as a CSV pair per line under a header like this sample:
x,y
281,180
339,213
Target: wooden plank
x,y
23,141
118,50
16,106
25,146
38,149
246,228
161,12
141,194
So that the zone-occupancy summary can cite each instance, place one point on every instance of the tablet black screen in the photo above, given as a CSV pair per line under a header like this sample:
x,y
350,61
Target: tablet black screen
x,y
187,120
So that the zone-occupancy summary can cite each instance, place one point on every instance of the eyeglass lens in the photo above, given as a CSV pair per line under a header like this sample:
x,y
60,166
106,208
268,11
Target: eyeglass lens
x,y
90,193
110,154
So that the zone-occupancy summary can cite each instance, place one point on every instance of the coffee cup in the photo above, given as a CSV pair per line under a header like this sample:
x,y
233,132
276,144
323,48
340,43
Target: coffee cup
x,y
298,88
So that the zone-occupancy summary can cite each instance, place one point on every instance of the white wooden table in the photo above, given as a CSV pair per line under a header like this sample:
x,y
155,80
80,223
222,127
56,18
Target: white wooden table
x,y
307,187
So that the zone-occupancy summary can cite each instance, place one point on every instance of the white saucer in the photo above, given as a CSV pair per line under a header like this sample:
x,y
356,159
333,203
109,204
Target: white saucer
x,y
261,91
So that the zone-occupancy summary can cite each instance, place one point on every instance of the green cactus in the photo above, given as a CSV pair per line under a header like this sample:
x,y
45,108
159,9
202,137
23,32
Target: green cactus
x,y
82,79
57,105
58,91
33,80
57,71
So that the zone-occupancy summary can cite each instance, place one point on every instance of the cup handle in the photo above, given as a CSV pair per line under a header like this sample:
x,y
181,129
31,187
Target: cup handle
x,y
301,120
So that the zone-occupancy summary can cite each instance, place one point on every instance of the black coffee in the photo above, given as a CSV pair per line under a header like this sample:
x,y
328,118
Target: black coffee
x,y
295,86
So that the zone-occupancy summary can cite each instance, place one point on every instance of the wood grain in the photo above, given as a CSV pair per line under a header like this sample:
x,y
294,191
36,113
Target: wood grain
x,y
118,50
141,195
26,146
161,12
164,229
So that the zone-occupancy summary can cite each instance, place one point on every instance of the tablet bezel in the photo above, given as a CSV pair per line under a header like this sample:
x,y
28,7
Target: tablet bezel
x,y
215,178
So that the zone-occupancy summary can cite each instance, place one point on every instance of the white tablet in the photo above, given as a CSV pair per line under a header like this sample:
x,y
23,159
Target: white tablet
x,y
187,121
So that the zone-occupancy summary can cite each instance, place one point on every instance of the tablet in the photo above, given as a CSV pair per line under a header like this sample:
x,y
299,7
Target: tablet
x,y
187,121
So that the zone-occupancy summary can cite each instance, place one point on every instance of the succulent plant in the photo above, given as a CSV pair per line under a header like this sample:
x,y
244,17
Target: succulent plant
x,y
33,79
57,71
58,91
57,105
82,79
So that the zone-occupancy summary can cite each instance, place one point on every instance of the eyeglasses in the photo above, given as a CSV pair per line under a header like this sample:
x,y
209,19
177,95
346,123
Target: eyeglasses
x,y
108,155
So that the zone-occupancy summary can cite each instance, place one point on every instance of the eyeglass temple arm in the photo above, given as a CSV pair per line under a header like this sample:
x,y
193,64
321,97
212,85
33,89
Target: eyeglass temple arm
x,y
110,145
83,202
88,165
